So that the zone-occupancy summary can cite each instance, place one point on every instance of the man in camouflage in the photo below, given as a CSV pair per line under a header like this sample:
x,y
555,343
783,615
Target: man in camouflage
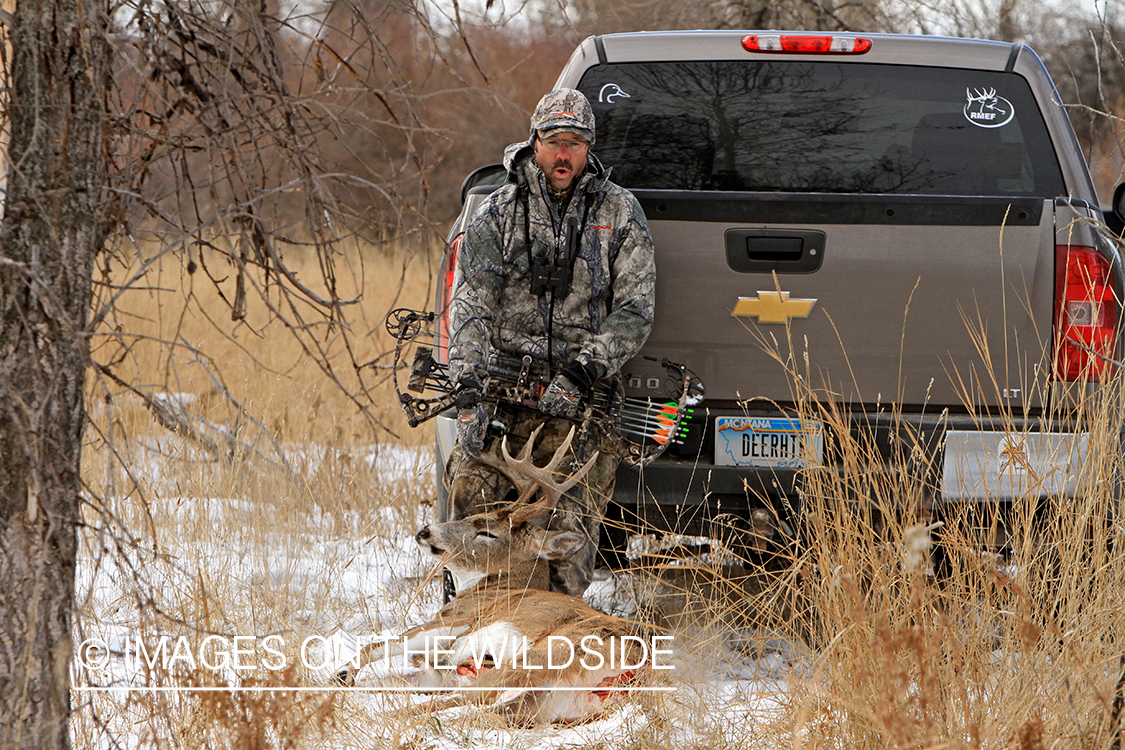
x,y
582,309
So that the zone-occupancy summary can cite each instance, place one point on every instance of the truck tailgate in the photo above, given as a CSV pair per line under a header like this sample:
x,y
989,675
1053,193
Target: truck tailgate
x,y
930,302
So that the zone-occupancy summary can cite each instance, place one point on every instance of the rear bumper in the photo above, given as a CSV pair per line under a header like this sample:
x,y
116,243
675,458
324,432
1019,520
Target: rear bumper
x,y
952,458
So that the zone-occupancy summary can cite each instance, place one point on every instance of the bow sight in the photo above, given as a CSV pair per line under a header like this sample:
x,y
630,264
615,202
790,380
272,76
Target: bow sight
x,y
636,429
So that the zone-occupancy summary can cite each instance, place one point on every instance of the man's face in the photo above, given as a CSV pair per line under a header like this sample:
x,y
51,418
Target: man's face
x,y
562,157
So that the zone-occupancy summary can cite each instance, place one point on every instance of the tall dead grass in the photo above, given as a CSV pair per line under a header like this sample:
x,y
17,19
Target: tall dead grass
x,y
1013,641
1009,636
274,507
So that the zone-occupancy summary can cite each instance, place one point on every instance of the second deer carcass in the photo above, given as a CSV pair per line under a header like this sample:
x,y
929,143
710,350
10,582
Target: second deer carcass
x,y
536,654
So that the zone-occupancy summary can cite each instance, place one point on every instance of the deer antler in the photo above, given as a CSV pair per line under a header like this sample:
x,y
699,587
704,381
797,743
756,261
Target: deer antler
x,y
980,95
526,477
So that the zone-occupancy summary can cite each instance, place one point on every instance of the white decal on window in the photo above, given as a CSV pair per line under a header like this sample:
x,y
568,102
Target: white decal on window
x,y
611,91
987,110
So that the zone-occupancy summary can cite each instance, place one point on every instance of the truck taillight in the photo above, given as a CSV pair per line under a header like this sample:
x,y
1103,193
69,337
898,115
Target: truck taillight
x,y
446,296
1086,311
820,44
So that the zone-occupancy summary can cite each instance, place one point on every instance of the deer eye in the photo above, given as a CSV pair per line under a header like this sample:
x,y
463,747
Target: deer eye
x,y
487,534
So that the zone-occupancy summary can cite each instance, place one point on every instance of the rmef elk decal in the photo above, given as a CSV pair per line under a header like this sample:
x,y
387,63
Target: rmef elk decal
x,y
986,109
536,654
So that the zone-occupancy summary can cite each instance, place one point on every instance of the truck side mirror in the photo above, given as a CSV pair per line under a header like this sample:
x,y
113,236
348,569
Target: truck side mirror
x,y
1115,216
488,178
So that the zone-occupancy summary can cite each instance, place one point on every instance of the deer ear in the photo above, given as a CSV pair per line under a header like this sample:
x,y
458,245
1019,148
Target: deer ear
x,y
555,545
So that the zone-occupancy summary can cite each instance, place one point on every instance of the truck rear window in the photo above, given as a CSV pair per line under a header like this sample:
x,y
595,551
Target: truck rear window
x,y
821,127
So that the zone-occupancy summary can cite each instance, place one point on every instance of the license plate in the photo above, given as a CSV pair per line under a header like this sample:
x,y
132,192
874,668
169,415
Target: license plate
x,y
772,442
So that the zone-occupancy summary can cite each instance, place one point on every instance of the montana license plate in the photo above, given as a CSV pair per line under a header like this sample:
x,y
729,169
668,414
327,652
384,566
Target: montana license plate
x,y
772,442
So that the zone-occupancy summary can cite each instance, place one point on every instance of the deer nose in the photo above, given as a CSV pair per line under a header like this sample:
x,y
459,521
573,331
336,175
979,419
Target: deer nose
x,y
422,535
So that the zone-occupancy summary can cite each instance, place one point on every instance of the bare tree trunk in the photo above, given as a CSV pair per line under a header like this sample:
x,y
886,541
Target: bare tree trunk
x,y
53,228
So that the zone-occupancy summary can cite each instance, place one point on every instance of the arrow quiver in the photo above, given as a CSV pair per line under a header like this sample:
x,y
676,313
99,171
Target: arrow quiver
x,y
637,430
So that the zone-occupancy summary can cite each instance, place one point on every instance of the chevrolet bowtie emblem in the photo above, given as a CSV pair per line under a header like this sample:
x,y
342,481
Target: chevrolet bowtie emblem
x,y
773,307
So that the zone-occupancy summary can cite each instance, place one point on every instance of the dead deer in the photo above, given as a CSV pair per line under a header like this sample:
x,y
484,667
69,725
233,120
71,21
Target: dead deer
x,y
537,655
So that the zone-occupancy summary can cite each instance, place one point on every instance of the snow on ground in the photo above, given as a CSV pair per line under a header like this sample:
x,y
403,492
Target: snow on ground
x,y
271,585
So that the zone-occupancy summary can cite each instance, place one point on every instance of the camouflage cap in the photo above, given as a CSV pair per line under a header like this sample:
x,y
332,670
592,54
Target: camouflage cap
x,y
563,111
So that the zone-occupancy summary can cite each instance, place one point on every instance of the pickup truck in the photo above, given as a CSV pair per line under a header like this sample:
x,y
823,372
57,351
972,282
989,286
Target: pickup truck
x,y
901,227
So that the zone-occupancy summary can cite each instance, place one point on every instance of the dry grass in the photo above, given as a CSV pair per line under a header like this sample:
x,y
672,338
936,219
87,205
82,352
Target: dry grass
x,y
1002,650
173,332
1015,642
286,536
845,641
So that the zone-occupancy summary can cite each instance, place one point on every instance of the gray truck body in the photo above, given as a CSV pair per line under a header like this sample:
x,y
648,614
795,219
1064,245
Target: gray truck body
x,y
930,277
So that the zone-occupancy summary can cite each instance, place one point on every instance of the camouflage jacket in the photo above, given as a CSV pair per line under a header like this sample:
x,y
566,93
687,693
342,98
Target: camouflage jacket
x,y
607,314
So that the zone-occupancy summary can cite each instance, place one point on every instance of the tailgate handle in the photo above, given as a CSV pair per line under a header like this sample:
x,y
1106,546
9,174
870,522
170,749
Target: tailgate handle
x,y
775,250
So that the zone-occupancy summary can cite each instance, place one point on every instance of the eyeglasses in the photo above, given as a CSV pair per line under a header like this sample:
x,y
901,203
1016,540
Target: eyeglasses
x,y
554,145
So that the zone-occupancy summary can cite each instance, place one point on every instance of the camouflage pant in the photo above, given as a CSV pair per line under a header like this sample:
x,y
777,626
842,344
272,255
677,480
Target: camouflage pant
x,y
474,488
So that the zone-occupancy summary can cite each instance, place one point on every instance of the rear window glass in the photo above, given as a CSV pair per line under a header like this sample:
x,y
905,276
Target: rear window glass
x,y
820,127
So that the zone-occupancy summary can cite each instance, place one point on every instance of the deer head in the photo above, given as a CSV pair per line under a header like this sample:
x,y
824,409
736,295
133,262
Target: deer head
x,y
503,543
